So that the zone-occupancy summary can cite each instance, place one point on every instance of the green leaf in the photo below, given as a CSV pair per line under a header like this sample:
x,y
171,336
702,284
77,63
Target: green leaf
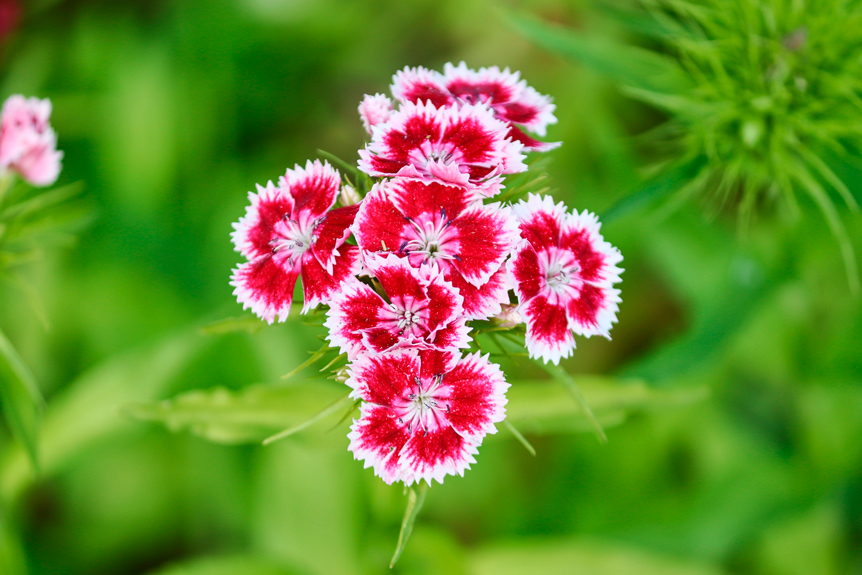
x,y
627,65
573,388
245,323
668,181
324,413
22,401
545,407
236,565
564,556
41,202
340,163
414,506
12,558
89,408
519,436
246,416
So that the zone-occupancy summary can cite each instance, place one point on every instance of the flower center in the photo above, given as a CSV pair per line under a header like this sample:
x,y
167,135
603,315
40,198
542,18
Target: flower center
x,y
424,407
562,272
292,237
560,275
406,318
432,239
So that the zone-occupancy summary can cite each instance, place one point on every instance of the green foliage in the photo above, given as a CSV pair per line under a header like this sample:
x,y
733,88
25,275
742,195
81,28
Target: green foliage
x,y
22,400
762,97
730,394
226,566
415,500
548,407
246,416
594,557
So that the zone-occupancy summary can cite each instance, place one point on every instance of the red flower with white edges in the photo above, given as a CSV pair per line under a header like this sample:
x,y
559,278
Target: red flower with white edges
x,y
430,221
563,273
423,310
461,145
288,231
374,110
425,412
510,98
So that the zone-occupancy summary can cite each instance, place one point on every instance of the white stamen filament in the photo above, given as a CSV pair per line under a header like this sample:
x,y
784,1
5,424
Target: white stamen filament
x,y
431,239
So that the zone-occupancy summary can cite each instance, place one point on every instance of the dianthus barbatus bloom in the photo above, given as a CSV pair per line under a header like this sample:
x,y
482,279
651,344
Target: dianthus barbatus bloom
x,y
424,310
462,145
288,231
510,98
27,142
430,221
425,413
563,273
374,110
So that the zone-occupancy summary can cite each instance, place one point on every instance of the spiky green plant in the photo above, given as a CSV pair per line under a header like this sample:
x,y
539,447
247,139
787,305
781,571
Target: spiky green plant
x,y
771,100
762,97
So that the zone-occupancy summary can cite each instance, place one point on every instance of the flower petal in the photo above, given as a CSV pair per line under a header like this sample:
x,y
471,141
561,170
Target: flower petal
x,y
540,220
597,258
549,336
318,286
526,272
595,311
374,110
486,234
266,287
331,233
476,395
352,311
436,454
530,144
486,86
379,225
531,110
420,85
378,439
417,198
313,189
384,379
422,136
482,302
253,232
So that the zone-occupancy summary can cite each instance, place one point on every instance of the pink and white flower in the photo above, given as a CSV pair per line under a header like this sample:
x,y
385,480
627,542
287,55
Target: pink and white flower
x,y
425,412
461,145
430,221
424,310
27,142
288,231
510,98
564,272
375,110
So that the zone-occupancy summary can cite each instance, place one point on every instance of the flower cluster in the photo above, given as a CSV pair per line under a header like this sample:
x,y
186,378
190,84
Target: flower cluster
x,y
28,145
431,254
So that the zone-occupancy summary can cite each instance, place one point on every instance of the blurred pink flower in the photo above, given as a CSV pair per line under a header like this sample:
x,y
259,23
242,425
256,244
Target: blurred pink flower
x,y
27,142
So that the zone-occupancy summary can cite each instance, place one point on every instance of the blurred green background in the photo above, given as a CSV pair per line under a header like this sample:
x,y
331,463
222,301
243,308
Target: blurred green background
x,y
731,392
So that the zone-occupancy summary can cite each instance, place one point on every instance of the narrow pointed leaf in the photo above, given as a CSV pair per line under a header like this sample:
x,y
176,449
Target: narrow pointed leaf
x,y
41,202
246,323
414,506
624,64
521,439
330,409
546,407
246,416
339,162
670,180
22,401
